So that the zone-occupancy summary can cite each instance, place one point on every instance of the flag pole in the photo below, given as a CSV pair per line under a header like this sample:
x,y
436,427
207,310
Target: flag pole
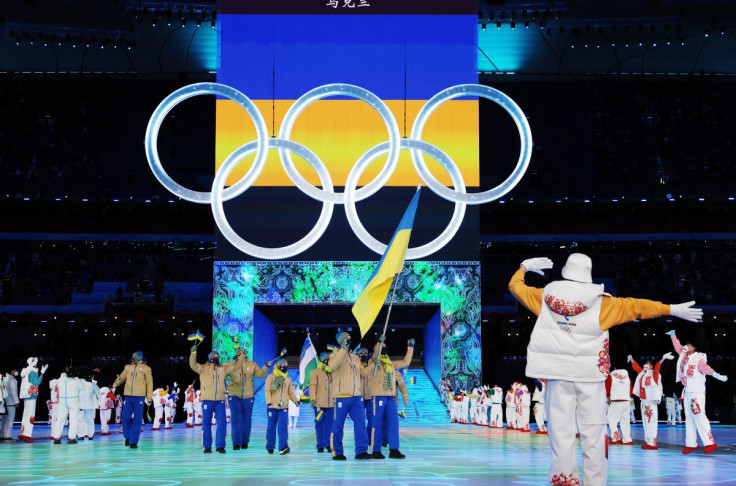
x,y
385,324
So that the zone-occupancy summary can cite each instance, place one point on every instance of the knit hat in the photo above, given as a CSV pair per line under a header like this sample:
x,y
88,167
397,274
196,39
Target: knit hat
x,y
578,268
361,351
342,337
279,362
213,353
324,356
138,355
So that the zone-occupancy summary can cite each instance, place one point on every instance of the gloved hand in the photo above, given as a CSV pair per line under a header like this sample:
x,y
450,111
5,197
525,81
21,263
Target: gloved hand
x,y
667,356
629,358
536,265
112,389
44,368
411,342
672,332
194,348
382,338
268,365
686,311
720,377
176,384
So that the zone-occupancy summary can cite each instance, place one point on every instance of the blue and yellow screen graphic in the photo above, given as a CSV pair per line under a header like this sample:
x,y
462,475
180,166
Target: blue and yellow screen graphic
x,y
403,59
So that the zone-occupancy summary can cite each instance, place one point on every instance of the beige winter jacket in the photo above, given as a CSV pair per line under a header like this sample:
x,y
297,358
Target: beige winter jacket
x,y
138,380
401,385
376,378
211,378
347,371
241,373
320,389
279,399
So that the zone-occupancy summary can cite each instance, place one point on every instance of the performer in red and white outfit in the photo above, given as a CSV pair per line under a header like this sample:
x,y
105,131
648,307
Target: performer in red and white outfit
x,y
106,404
648,387
540,387
523,407
198,408
511,408
496,420
118,407
160,396
618,391
569,347
189,405
692,368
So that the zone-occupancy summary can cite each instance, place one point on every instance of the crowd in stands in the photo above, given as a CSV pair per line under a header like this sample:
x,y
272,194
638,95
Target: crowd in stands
x,y
668,271
673,134
49,272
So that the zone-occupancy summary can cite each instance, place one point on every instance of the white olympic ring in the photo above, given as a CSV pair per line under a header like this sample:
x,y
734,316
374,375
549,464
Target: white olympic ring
x,y
181,94
406,144
327,195
259,251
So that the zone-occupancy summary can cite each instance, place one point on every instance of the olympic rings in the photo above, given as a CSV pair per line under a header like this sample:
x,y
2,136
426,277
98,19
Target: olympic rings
x,y
406,144
327,195
507,104
345,90
181,94
259,251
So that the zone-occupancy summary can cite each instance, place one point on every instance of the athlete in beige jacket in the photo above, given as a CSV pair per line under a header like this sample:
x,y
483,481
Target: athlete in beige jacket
x,y
278,392
383,387
138,381
242,371
323,401
212,386
346,381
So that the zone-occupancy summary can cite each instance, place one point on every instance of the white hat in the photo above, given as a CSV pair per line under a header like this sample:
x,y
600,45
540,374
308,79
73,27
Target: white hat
x,y
578,268
32,362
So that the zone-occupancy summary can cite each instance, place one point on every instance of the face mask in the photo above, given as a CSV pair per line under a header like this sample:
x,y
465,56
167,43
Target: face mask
x,y
15,373
283,369
364,358
346,344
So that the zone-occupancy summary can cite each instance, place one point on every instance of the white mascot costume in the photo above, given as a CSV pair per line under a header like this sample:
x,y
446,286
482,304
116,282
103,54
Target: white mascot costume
x,y
89,399
160,397
189,405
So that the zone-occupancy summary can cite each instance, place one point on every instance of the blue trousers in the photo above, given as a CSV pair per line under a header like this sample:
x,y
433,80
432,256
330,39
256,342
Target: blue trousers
x,y
323,428
132,415
368,404
241,412
355,408
218,408
385,407
277,419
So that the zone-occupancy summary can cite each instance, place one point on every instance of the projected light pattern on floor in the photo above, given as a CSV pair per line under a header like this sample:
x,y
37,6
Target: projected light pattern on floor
x,y
437,454
455,286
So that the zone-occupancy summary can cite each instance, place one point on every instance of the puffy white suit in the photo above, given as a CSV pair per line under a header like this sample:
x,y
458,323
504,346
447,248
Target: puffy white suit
x,y
53,403
650,399
89,399
511,409
569,349
69,391
198,408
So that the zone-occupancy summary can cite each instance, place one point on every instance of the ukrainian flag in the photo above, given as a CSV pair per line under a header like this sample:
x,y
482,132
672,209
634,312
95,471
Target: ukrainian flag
x,y
371,299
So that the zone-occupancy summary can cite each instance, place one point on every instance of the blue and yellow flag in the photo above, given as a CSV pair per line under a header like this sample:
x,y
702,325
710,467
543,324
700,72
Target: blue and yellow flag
x,y
371,299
